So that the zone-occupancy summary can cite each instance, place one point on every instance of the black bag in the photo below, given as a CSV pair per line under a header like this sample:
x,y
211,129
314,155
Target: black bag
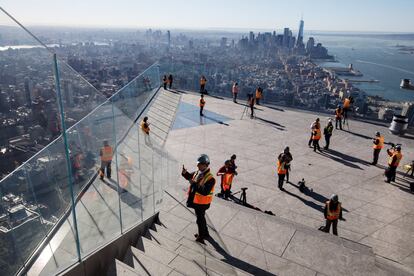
x,y
190,198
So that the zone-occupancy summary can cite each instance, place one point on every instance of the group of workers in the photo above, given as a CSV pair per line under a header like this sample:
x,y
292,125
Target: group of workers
x,y
167,81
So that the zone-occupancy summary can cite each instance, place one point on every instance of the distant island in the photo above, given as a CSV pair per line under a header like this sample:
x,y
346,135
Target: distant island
x,y
405,49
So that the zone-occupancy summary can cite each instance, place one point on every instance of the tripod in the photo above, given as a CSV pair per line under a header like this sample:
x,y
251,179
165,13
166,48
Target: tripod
x,y
243,196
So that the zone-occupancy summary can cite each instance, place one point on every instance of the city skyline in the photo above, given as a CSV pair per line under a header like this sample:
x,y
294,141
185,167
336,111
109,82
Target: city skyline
x,y
352,16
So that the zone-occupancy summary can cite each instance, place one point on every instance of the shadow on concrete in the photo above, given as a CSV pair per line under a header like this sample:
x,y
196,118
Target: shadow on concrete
x,y
127,197
358,134
215,120
274,108
340,160
270,122
348,157
235,262
306,202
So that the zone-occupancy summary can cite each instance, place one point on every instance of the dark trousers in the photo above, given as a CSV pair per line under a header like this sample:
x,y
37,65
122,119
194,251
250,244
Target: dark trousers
x,y
165,86
251,111
390,173
345,114
170,85
235,97
316,145
202,88
281,179
338,120
201,110
107,165
334,226
310,140
376,155
200,212
327,140
258,101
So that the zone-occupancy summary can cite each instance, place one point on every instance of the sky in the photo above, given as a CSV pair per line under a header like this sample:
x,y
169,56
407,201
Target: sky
x,y
319,15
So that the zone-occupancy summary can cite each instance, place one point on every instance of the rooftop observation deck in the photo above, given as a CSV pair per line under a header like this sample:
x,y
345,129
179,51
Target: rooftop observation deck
x,y
375,239
378,215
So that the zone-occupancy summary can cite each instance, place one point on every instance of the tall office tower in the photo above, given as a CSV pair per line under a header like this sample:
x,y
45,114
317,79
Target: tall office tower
x,y
251,37
28,88
223,42
169,39
310,44
286,37
299,40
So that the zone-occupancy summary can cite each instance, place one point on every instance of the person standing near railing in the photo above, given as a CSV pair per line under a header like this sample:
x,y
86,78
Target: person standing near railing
x,y
227,175
200,193
203,82
106,154
165,81
170,81
259,94
235,91
202,103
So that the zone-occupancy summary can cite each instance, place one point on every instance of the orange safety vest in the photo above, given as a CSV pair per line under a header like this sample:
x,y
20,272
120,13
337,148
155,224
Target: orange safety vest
x,y
235,89
347,103
281,167
380,144
227,181
203,199
333,214
316,134
145,127
203,81
397,161
338,113
258,94
106,153
202,103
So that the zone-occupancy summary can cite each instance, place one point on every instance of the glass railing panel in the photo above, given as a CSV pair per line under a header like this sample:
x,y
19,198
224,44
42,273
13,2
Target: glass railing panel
x,y
97,209
129,177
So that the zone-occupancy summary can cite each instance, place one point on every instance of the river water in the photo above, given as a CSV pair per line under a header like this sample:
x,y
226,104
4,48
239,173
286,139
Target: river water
x,y
377,58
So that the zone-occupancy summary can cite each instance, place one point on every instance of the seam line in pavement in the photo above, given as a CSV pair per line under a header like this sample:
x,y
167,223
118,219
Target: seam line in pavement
x,y
288,243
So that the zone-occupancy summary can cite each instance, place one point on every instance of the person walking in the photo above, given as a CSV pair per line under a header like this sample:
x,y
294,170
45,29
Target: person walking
x,y
312,127
235,91
378,144
170,81
394,159
281,170
347,107
145,128
259,94
201,104
332,212
165,81
200,193
106,154
288,158
338,117
227,175
203,82
327,132
250,101
316,137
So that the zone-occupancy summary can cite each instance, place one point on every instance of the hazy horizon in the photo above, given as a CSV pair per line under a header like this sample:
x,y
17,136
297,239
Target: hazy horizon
x,y
328,16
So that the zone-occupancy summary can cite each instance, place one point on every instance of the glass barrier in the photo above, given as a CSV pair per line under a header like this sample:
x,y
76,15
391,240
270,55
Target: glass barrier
x,y
80,137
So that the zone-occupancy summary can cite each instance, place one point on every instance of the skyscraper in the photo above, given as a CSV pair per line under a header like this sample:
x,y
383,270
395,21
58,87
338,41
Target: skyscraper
x,y
286,37
169,39
299,40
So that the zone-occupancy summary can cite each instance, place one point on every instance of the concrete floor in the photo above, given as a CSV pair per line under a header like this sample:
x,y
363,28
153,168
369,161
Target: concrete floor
x,y
377,214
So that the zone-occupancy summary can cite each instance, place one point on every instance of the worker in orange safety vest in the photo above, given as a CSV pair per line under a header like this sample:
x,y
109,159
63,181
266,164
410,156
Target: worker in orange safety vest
x,y
201,104
378,144
394,159
332,212
316,137
106,154
200,193
226,172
